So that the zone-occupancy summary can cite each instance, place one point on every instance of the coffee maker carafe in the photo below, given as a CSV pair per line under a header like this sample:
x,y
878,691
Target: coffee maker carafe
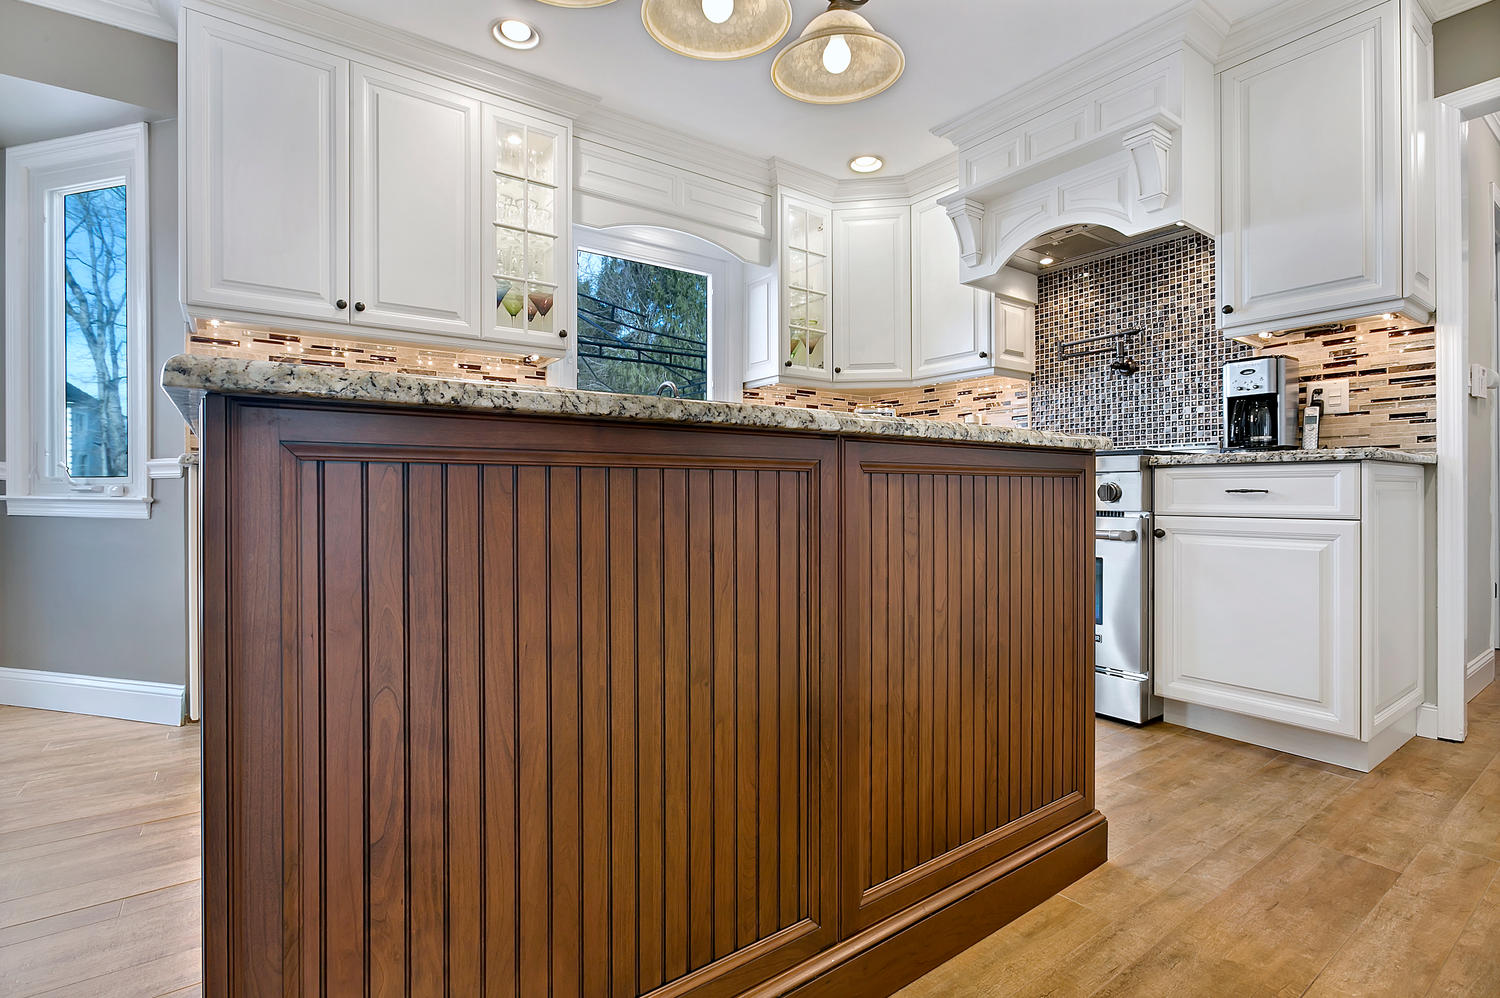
x,y
1260,403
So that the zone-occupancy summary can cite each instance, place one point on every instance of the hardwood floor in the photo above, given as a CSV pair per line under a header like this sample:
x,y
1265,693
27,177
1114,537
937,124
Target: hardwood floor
x,y
99,868
1233,870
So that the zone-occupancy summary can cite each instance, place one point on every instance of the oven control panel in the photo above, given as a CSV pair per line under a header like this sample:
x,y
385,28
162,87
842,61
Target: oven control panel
x,y
1122,490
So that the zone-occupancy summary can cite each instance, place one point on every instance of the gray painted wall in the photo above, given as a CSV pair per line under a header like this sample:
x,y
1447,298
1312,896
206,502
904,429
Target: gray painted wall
x,y
106,597
1466,48
1481,170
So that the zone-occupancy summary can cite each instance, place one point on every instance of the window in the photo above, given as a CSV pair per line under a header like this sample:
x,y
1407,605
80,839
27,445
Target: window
x,y
642,328
77,335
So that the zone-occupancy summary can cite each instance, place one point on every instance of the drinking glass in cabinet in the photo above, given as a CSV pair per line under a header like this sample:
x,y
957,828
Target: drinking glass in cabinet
x,y
510,302
539,210
541,300
541,158
511,156
510,202
813,312
796,275
510,252
539,258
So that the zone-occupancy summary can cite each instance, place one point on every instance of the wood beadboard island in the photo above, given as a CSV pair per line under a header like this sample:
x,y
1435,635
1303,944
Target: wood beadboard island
x,y
518,692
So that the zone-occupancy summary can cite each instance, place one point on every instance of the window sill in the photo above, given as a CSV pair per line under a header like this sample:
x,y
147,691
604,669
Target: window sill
x,y
115,507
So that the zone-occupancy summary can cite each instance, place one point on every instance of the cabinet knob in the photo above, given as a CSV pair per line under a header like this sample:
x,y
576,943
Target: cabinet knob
x,y
838,370
984,355
341,304
1228,309
563,334
359,306
1158,532
788,363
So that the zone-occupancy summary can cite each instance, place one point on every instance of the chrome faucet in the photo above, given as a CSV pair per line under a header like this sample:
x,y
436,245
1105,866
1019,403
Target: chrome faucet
x,y
667,389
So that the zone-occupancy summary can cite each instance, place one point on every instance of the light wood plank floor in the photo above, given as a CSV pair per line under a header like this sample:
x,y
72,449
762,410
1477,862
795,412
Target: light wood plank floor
x,y
1238,871
1233,871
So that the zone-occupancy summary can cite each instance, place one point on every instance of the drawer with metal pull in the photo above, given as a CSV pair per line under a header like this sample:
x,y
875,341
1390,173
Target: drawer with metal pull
x,y
1312,491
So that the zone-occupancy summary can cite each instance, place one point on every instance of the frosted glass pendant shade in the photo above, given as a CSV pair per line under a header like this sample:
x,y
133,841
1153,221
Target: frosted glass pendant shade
x,y
577,3
806,71
755,26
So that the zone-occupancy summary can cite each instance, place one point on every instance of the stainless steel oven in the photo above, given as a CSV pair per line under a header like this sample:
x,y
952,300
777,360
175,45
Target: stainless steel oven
x,y
1123,527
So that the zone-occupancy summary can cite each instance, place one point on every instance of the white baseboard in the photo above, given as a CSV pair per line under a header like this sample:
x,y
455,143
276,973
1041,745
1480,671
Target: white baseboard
x,y
128,699
1427,721
1351,753
1479,674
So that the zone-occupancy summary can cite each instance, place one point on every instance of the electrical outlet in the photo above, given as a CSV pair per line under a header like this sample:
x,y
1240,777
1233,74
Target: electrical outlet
x,y
1335,395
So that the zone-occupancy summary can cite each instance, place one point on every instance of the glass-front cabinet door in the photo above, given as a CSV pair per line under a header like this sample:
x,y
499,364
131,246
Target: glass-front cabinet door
x,y
529,258
806,248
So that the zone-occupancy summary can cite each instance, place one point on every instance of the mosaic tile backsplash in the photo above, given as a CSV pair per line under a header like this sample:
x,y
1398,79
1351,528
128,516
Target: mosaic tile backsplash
x,y
993,401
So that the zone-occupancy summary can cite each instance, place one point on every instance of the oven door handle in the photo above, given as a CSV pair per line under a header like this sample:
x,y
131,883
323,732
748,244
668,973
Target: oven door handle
x,y
1116,535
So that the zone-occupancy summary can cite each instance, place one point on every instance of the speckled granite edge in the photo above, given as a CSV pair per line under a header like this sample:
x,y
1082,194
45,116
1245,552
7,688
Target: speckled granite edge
x,y
1294,457
187,377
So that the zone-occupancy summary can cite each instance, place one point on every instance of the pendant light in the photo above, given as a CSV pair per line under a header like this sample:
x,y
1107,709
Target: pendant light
x,y
839,58
717,29
578,3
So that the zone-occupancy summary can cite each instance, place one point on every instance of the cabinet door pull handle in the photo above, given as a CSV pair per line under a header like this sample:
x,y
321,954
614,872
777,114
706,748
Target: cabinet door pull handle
x,y
359,306
984,355
341,304
1158,532
788,363
838,370
563,335
1248,492
1228,309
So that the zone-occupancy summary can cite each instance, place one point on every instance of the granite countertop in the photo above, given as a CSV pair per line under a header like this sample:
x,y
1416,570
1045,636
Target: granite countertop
x,y
188,377
1292,457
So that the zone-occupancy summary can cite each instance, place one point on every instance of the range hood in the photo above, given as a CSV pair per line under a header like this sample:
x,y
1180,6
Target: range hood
x,y
1116,149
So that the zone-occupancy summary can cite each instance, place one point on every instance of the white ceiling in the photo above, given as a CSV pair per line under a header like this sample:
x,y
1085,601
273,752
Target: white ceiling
x,y
32,112
960,54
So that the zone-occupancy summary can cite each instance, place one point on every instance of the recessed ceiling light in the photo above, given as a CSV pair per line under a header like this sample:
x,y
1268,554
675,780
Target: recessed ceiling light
x,y
1265,336
1046,261
867,164
515,33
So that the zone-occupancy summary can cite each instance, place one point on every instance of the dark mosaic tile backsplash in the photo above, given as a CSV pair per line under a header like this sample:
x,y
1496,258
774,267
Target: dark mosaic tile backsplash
x,y
1165,289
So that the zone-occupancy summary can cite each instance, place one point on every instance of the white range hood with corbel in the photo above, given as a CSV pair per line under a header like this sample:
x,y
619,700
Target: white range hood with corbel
x,y
1127,142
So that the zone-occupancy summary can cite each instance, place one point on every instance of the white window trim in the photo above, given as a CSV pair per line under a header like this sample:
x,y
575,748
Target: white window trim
x,y
678,251
33,175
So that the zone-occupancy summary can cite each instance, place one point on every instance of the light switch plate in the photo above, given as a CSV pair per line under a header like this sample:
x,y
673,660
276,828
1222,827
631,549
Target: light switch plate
x,y
1335,395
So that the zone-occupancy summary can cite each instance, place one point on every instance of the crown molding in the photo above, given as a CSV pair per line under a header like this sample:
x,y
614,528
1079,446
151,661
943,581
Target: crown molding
x,y
383,42
800,178
1439,9
1196,24
636,135
144,17
1274,25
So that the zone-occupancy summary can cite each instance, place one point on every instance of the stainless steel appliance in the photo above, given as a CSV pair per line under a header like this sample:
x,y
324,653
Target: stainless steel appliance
x,y
1123,526
1260,403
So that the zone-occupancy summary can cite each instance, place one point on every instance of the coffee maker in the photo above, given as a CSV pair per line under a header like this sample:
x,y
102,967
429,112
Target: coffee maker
x,y
1260,403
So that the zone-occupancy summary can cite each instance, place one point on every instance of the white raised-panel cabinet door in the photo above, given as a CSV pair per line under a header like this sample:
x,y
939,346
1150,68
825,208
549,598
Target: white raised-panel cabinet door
x,y
266,191
415,215
1261,617
1311,191
872,294
1395,592
1015,336
952,322
761,341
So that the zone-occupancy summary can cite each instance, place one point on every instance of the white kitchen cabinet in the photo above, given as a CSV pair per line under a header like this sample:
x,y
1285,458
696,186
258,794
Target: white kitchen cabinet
x,y
872,294
529,266
806,248
952,323
1015,336
1290,604
1260,617
415,214
322,193
265,223
1325,188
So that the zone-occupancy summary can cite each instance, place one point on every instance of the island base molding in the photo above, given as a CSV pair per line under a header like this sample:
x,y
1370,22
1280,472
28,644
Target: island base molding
x,y
888,956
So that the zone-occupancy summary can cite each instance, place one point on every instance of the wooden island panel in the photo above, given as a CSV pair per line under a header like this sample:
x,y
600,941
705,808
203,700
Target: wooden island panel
x,y
522,706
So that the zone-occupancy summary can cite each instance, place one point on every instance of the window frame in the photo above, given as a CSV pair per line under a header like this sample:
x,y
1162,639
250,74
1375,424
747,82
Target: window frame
x,y
676,251
38,177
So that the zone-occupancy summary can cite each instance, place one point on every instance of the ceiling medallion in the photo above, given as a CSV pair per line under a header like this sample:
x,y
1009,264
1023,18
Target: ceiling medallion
x,y
839,58
717,29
